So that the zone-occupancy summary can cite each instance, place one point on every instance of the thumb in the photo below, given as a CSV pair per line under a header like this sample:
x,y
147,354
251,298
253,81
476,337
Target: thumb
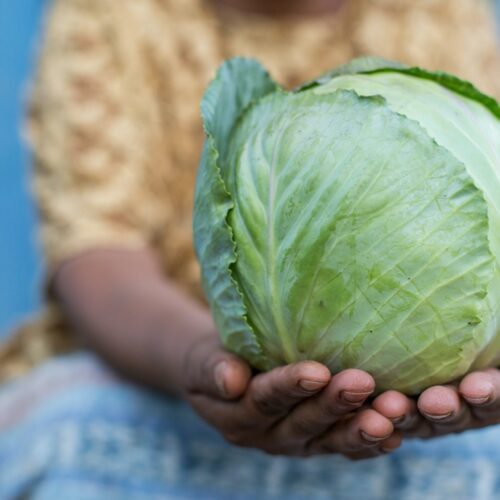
x,y
215,372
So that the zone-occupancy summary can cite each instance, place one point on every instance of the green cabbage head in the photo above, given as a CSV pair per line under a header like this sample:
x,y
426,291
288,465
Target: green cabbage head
x,y
354,221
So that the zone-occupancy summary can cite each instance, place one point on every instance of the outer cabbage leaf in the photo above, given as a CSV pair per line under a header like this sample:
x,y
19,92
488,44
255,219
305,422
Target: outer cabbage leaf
x,y
238,83
371,65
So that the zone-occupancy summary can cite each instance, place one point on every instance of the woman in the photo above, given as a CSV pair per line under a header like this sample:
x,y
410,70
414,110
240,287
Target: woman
x,y
116,137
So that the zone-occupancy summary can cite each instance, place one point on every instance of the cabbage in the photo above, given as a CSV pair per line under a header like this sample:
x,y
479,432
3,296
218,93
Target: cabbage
x,y
354,221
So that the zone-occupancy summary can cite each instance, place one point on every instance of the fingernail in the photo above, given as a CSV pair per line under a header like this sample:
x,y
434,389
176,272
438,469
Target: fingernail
x,y
438,417
398,420
354,397
220,378
311,385
478,401
372,439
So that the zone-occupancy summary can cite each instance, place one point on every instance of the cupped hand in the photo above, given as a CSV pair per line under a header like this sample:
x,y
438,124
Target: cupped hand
x,y
298,409
472,403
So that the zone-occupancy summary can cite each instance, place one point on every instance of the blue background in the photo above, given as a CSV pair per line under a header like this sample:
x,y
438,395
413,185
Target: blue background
x,y
19,263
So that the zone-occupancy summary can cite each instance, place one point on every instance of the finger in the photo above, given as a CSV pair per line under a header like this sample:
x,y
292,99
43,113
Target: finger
x,y
268,397
442,407
392,443
346,392
398,408
411,423
387,446
278,391
215,372
364,430
481,390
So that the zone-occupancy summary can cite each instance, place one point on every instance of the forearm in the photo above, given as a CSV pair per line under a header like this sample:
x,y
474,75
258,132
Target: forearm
x,y
126,310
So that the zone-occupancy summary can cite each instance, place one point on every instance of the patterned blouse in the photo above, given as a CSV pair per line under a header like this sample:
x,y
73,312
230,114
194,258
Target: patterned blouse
x,y
114,119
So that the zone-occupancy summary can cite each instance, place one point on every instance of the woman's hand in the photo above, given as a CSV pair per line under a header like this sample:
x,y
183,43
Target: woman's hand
x,y
472,403
298,409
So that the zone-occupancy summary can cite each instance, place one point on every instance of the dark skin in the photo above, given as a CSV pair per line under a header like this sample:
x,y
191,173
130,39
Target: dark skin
x,y
123,307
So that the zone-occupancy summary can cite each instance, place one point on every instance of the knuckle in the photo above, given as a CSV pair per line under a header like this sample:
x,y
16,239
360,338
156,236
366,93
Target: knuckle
x,y
259,385
259,391
265,406
264,402
338,406
207,369
197,365
293,373
301,426
189,373
283,373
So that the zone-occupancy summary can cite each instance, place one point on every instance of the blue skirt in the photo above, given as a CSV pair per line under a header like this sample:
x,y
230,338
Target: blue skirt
x,y
71,429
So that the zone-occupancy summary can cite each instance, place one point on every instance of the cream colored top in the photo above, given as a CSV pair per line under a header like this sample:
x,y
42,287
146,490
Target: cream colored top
x,y
115,125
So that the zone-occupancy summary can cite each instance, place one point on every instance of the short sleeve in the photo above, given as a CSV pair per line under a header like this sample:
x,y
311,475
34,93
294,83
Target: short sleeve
x,y
89,143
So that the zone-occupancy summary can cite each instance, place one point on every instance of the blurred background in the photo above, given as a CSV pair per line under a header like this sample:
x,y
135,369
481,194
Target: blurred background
x,y
20,266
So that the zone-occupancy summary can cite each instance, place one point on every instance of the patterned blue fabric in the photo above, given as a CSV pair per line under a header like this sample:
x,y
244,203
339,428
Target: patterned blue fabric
x,y
72,430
